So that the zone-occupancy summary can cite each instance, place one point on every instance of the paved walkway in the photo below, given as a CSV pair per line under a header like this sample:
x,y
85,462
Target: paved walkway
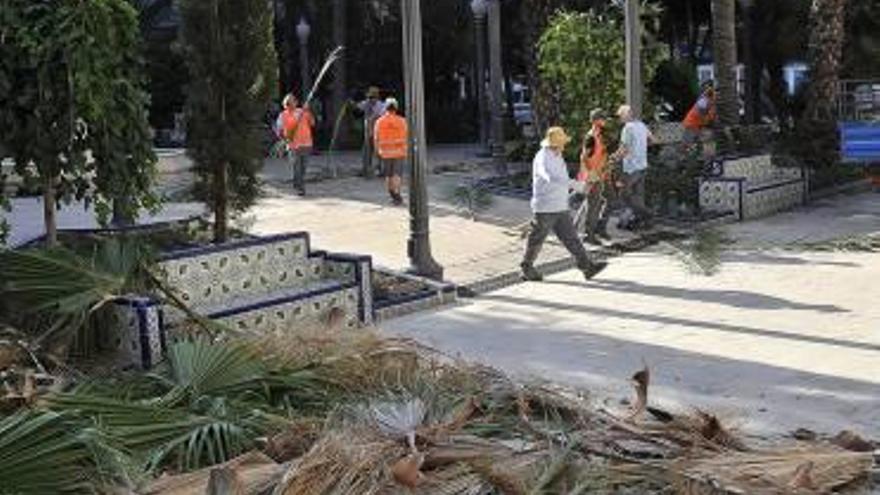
x,y
778,340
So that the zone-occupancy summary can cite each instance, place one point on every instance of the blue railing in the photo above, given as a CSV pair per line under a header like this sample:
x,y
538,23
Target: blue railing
x,y
860,142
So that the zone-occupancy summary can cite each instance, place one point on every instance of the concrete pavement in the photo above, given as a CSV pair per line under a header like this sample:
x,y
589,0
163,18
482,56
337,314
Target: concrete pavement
x,y
780,339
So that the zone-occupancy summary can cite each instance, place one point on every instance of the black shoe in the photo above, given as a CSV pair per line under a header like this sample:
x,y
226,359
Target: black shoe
x,y
529,273
594,269
592,239
603,234
300,192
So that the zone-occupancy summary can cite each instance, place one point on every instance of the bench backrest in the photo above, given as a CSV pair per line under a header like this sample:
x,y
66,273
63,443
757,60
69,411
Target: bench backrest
x,y
860,142
208,276
759,169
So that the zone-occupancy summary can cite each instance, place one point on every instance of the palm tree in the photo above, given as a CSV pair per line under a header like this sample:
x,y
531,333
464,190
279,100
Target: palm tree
x,y
826,42
724,47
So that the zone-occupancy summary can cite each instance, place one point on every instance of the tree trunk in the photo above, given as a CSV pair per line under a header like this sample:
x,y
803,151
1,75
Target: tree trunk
x,y
724,48
826,43
50,220
751,76
221,200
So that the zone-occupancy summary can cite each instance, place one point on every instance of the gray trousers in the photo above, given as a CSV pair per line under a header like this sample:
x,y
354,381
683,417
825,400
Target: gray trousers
x,y
633,193
298,161
560,224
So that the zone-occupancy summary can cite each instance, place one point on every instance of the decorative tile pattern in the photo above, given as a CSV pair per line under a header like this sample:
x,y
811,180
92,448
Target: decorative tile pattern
x,y
668,133
134,334
312,311
263,286
720,196
763,189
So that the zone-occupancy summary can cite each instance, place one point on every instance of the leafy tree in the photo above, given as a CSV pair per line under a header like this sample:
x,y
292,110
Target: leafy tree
x,y
583,58
228,49
72,105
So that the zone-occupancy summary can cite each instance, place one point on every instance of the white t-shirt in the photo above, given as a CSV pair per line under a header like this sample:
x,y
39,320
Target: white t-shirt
x,y
634,137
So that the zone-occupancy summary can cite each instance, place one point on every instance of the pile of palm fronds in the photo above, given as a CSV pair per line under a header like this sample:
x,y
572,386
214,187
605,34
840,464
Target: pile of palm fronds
x,y
701,253
344,413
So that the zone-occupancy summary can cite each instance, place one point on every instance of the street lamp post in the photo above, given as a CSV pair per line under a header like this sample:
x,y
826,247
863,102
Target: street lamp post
x,y
419,244
480,8
633,57
496,89
303,30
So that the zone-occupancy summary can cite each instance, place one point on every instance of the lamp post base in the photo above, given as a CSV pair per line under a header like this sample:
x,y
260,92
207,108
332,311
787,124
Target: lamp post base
x,y
421,261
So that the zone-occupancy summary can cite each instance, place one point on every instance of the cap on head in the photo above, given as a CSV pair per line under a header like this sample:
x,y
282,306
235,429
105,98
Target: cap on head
x,y
597,114
391,102
289,99
555,138
625,112
373,92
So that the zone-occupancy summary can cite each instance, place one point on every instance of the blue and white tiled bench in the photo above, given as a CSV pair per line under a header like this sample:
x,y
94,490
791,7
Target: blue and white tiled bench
x,y
752,187
262,285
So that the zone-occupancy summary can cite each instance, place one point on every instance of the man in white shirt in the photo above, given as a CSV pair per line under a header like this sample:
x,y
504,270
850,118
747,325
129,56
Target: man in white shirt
x,y
550,187
633,151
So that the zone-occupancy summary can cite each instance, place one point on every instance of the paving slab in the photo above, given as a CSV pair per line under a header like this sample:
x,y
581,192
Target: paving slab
x,y
772,343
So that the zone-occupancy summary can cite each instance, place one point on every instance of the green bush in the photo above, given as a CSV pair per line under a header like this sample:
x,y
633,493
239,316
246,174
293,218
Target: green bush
x,y
582,55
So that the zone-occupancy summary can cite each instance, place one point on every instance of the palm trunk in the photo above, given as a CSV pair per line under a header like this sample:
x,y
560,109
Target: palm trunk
x,y
50,219
724,45
221,206
826,44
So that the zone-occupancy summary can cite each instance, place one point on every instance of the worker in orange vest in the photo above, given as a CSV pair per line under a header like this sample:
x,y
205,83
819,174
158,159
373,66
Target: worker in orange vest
x,y
701,115
594,173
296,125
391,137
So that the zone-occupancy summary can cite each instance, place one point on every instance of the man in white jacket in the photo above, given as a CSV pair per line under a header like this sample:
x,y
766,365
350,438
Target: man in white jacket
x,y
550,187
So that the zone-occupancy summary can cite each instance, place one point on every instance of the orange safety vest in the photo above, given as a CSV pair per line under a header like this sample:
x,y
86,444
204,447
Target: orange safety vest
x,y
391,136
597,161
695,120
297,125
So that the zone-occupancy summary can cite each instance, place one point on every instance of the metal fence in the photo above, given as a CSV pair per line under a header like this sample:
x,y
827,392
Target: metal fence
x,y
859,100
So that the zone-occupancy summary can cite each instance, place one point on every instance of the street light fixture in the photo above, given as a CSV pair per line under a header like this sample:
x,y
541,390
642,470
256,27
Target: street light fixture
x,y
480,8
419,243
303,31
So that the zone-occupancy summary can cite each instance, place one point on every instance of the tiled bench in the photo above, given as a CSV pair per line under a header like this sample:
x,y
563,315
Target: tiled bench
x,y
752,187
255,286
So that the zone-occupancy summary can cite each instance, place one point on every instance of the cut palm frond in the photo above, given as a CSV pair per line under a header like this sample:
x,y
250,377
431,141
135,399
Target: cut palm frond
x,y
701,254
45,452
470,198
68,286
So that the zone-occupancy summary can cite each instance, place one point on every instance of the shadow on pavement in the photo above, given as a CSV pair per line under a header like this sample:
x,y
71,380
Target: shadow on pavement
x,y
671,320
733,298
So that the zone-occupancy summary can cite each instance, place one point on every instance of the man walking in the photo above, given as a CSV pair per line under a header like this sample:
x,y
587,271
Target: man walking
x,y
391,140
296,128
633,151
372,108
592,216
550,187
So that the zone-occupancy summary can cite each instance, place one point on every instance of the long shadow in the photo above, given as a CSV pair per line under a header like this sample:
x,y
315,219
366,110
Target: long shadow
x,y
767,396
756,257
733,298
671,320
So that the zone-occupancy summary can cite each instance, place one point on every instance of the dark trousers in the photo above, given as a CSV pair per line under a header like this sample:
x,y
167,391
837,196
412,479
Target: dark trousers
x,y
591,215
560,224
369,153
299,160
633,193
